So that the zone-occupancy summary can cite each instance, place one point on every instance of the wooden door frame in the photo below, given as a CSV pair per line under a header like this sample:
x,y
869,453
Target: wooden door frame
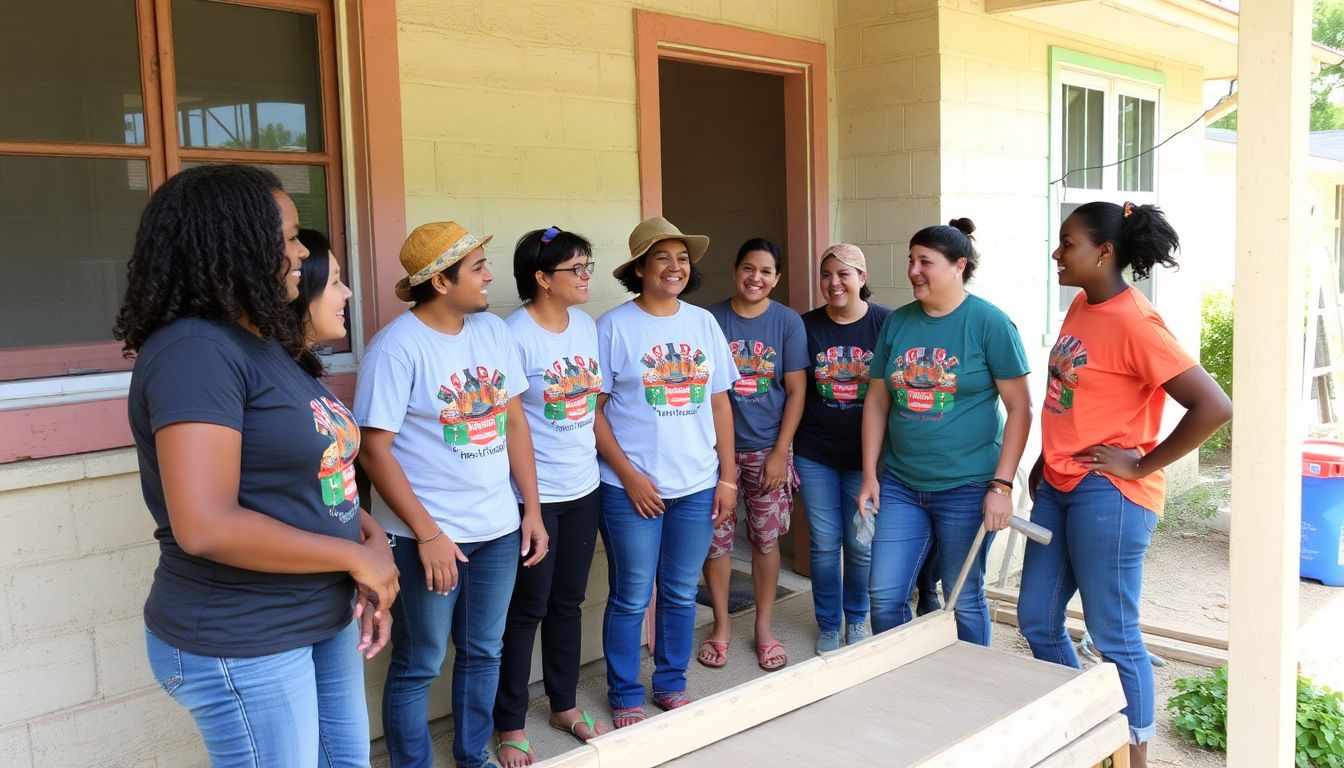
x,y
802,65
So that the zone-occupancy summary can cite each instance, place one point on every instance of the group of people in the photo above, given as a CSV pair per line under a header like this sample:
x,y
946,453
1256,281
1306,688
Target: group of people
x,y
500,449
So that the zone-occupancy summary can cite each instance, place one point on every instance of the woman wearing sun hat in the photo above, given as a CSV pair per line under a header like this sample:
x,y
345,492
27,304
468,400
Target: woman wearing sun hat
x,y
438,398
665,438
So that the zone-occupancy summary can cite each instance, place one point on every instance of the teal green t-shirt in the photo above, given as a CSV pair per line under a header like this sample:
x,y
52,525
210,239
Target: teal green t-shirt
x,y
944,429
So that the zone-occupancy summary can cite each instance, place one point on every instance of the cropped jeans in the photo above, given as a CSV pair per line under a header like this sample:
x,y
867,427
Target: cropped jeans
x,y
669,549
1100,541
831,498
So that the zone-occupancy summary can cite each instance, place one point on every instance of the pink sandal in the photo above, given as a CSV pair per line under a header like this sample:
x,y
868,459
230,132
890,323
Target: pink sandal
x,y
625,717
670,701
720,650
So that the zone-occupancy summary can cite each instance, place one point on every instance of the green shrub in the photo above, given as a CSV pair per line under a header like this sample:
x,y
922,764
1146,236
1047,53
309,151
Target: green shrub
x,y
1215,354
1200,715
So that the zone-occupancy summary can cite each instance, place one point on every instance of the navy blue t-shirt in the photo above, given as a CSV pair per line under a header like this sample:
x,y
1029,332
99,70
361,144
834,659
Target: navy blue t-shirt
x,y
297,465
837,382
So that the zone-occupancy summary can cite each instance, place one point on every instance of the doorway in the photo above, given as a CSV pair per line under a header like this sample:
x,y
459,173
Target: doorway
x,y
723,164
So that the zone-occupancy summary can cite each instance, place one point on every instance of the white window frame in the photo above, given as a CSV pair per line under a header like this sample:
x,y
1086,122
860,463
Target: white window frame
x,y
1113,86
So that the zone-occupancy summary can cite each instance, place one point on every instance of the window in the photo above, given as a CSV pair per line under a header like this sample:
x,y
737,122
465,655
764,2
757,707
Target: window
x,y
103,100
1105,117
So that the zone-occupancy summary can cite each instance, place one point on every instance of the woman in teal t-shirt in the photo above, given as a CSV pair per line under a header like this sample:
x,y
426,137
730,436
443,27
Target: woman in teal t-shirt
x,y
932,430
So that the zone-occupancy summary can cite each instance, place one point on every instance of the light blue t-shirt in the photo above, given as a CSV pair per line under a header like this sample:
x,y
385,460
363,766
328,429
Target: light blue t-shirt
x,y
764,348
944,429
446,398
563,380
661,372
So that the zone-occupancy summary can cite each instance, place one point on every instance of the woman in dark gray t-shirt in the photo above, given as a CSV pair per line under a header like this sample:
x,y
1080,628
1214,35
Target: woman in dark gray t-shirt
x,y
246,464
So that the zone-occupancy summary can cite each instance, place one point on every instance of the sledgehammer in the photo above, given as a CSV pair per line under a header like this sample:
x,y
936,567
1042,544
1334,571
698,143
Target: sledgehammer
x,y
1027,528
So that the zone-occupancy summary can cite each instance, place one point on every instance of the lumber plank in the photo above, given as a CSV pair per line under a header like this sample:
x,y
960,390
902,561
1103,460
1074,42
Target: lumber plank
x,y
673,734
582,756
1090,748
1044,726
1167,648
1010,595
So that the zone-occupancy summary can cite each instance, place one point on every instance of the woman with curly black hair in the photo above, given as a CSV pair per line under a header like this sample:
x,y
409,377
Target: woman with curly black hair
x,y
246,464
1099,485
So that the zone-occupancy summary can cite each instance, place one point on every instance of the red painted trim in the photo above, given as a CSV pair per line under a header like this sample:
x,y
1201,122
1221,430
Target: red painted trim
x,y
59,430
802,64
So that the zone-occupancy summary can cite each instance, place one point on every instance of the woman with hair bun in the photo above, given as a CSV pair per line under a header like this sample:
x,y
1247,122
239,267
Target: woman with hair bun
x,y
1098,484
938,459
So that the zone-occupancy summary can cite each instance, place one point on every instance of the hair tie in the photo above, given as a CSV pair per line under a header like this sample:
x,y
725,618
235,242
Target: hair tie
x,y
552,232
1129,209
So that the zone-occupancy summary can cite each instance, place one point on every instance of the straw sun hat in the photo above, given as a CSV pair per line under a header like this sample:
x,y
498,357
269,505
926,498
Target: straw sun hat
x,y
651,231
432,248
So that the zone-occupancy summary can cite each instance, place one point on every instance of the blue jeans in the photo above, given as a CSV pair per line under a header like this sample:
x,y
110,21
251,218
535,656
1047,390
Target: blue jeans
x,y
670,549
1100,540
906,522
831,498
422,621
301,707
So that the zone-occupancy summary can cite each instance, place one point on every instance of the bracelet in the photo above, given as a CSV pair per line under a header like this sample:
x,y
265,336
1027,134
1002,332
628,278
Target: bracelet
x,y
431,538
730,485
1003,482
1000,491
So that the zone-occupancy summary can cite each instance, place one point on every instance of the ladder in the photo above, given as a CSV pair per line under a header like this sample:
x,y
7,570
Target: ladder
x,y
1323,345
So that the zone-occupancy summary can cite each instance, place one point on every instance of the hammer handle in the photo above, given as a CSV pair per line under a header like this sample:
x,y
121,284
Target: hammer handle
x,y
1031,530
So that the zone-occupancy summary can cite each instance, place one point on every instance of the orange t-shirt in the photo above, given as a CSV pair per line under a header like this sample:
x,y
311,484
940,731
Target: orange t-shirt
x,y
1106,374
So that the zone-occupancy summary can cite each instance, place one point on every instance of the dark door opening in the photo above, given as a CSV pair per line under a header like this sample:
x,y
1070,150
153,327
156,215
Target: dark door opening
x,y
723,165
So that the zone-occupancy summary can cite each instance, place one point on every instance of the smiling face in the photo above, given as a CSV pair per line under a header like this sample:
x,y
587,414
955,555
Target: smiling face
x,y
755,276
470,293
932,277
1077,259
295,253
840,283
665,270
326,312
563,283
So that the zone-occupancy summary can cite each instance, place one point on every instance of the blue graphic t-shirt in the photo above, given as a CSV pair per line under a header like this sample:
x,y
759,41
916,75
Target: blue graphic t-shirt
x,y
296,465
764,348
839,357
944,429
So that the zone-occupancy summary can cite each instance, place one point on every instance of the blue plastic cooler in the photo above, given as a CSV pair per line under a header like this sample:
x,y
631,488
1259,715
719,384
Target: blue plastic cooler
x,y
1323,511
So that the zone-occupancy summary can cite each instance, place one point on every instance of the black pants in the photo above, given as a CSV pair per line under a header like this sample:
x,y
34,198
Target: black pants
x,y
549,593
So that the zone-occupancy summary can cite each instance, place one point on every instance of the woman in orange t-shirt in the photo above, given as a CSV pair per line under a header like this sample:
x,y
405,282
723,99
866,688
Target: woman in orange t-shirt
x,y
1099,484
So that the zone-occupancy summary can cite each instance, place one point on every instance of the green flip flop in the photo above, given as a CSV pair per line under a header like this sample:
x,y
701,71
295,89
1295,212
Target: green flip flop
x,y
522,746
587,720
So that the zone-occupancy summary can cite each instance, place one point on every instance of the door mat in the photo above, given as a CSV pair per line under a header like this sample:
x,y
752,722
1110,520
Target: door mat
x,y
741,593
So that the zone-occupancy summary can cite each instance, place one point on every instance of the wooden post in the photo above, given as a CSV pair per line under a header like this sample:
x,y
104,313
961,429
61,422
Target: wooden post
x,y
1273,51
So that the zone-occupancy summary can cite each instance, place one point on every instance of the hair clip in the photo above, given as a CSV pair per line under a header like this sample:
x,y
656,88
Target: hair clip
x,y
1129,209
549,234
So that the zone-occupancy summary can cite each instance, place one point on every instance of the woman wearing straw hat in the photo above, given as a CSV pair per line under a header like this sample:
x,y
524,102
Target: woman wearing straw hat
x,y
438,397
665,437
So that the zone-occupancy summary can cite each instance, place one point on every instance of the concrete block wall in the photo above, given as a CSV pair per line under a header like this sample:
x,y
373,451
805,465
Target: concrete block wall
x,y
888,83
520,115
75,567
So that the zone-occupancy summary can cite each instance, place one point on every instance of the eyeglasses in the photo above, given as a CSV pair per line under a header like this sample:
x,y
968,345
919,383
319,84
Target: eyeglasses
x,y
579,270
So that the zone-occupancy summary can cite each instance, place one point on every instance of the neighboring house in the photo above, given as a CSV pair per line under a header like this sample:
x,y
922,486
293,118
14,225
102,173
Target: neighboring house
x,y
1325,196
809,121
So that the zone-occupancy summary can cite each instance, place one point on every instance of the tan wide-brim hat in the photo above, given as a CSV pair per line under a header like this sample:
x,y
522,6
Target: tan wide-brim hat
x,y
651,231
432,248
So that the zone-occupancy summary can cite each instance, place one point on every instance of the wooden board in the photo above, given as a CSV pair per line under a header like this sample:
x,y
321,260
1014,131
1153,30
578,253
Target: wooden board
x,y
1105,739
670,735
960,705
1158,630
1165,647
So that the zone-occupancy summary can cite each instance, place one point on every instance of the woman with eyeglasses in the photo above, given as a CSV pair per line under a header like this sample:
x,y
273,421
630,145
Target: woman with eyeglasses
x,y
557,344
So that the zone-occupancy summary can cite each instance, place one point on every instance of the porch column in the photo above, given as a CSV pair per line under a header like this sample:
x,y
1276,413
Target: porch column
x,y
1273,60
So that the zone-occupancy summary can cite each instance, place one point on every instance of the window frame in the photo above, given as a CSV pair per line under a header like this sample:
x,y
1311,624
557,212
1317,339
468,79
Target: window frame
x,y
1114,79
23,366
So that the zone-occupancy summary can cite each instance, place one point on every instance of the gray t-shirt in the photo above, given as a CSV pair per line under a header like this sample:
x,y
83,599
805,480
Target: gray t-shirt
x,y
764,348
296,465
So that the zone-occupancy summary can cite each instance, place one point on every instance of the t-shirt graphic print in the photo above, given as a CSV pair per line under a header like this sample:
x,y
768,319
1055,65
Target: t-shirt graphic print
x,y
841,374
675,375
925,381
572,385
475,411
336,472
755,361
1066,358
